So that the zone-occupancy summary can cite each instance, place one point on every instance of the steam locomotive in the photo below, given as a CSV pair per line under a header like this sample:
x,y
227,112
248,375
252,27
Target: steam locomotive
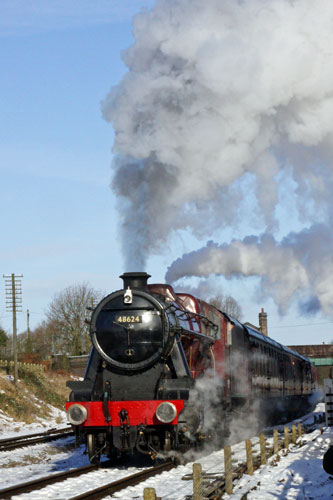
x,y
168,370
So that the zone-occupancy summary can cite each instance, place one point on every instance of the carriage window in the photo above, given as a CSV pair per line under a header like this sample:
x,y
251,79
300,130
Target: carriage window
x,y
281,367
254,346
266,360
262,359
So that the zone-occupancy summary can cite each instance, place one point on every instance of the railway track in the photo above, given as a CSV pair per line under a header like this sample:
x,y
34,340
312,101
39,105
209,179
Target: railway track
x,y
29,439
94,494
114,486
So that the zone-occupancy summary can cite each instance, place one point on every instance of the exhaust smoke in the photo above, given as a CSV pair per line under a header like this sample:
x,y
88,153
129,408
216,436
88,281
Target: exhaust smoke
x,y
225,106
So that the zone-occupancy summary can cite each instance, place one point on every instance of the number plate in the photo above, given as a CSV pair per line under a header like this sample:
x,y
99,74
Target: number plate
x,y
129,319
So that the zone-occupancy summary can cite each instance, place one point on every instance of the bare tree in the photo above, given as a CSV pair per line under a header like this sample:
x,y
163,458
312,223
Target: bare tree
x,y
66,327
38,344
227,304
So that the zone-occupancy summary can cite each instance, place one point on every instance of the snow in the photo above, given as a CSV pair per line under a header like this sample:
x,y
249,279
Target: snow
x,y
10,428
296,475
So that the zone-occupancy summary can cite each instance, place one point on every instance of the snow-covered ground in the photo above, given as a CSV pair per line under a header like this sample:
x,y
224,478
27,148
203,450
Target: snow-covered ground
x,y
296,475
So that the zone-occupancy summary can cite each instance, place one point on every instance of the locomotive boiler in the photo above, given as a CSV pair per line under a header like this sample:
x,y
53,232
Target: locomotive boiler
x,y
167,371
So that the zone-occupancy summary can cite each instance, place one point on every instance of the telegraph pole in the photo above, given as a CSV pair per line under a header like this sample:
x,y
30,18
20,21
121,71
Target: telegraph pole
x,y
28,342
28,316
14,304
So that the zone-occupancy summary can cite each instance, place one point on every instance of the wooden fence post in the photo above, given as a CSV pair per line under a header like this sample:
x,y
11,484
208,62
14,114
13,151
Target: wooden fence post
x,y
249,459
299,428
149,494
197,482
276,442
227,469
262,449
286,438
294,436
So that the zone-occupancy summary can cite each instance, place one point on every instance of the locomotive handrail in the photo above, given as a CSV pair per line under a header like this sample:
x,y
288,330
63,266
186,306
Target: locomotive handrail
x,y
133,308
193,317
183,331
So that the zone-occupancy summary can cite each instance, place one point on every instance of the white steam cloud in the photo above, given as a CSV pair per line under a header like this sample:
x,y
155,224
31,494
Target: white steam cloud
x,y
299,266
219,94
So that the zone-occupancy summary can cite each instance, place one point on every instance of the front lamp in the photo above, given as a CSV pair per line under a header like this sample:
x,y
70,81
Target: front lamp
x,y
166,412
77,414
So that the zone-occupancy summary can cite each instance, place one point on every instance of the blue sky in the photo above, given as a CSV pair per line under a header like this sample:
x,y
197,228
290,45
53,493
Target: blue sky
x,y
59,226
58,222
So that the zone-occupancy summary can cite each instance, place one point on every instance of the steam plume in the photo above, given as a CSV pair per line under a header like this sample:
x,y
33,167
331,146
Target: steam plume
x,y
220,96
293,267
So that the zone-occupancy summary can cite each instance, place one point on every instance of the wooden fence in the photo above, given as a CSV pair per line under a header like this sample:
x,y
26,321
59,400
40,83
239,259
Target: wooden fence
x,y
201,482
8,366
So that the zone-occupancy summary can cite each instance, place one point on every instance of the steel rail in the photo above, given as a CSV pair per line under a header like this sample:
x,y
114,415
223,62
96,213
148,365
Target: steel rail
x,y
37,484
20,443
110,488
37,434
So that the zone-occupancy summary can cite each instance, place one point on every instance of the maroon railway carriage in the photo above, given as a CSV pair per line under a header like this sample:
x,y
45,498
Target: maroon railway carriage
x,y
168,370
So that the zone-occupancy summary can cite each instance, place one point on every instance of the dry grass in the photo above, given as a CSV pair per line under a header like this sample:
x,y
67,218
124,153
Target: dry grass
x,y
34,394
42,458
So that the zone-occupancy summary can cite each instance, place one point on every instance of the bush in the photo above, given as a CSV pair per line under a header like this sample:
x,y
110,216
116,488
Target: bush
x,y
35,392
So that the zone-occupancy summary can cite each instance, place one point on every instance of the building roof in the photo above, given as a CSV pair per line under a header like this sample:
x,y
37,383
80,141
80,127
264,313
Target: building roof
x,y
314,350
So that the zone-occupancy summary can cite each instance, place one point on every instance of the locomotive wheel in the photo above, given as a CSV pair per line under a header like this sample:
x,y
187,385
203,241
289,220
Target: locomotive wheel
x,y
94,457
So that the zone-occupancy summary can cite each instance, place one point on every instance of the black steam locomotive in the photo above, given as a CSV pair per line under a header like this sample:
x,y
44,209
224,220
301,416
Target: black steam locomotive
x,y
157,355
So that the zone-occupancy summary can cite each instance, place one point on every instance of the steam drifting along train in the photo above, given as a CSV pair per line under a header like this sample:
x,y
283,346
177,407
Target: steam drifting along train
x,y
167,370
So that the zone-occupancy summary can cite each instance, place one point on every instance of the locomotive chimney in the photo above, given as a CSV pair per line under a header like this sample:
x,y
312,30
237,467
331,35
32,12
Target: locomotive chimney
x,y
263,322
135,280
